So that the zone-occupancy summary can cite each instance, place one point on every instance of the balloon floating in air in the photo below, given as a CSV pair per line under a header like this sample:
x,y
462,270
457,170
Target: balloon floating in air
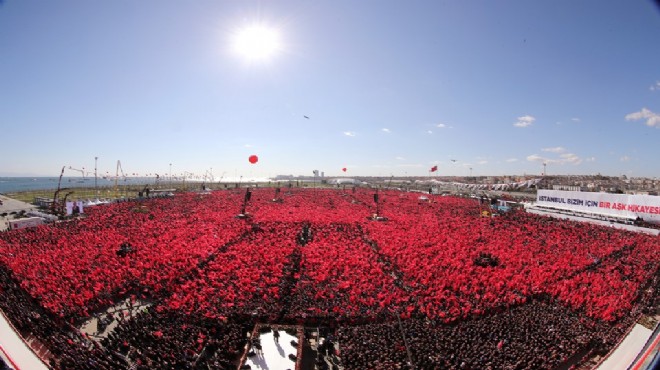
x,y
344,169
253,159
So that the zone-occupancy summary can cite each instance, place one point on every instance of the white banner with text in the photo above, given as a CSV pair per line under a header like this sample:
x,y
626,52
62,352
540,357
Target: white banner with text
x,y
647,207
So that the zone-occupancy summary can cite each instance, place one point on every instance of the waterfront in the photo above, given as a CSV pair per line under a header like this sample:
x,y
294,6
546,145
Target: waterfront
x,y
19,184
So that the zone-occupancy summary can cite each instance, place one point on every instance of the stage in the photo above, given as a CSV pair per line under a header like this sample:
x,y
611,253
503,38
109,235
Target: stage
x,y
274,354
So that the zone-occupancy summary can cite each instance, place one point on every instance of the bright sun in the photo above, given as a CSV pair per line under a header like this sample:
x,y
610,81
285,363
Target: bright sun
x,y
256,42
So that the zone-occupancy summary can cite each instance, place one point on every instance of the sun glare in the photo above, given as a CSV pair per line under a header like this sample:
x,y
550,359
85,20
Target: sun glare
x,y
256,42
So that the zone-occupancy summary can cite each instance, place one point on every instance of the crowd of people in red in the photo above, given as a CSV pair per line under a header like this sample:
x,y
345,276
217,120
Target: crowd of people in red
x,y
595,269
73,268
245,278
318,257
341,278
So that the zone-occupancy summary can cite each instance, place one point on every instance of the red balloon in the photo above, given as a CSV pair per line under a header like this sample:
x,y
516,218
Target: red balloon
x,y
344,169
253,159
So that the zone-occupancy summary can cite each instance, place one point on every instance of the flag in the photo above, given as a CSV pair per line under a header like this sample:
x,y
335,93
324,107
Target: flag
x,y
434,168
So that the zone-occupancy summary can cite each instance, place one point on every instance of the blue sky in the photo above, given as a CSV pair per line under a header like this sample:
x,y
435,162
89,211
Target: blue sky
x,y
390,87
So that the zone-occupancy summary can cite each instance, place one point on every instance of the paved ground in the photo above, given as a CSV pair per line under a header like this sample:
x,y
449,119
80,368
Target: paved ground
x,y
12,205
15,348
124,310
624,355
9,205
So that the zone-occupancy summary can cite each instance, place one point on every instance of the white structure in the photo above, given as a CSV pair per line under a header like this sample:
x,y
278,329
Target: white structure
x,y
343,181
23,223
14,349
616,206
625,353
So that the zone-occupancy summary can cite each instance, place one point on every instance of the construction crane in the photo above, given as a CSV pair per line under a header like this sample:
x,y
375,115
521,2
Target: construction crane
x,y
188,175
209,174
119,169
53,205
145,191
61,208
58,207
82,172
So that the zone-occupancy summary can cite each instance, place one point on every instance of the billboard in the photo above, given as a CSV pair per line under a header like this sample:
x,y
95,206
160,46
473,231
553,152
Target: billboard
x,y
646,207
74,208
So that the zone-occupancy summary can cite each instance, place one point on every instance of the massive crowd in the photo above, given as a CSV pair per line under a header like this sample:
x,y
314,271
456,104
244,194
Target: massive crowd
x,y
586,266
411,289
537,335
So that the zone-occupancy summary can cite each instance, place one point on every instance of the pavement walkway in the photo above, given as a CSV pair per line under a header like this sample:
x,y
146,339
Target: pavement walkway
x,y
14,349
9,205
628,349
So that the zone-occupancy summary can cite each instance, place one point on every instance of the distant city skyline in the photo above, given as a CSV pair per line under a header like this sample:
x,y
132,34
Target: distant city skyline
x,y
380,88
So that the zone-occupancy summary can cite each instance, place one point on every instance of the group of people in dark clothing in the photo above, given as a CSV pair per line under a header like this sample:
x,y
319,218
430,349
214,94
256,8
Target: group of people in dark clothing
x,y
537,335
420,290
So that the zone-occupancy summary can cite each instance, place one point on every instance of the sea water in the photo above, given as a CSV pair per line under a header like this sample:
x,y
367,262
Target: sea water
x,y
17,184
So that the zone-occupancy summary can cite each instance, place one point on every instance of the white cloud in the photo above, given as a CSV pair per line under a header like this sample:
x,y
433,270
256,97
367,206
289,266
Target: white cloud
x,y
655,87
652,119
386,130
556,149
248,145
525,121
590,159
570,158
625,158
441,125
511,160
564,158
575,119
482,162
349,133
536,158
429,132
400,158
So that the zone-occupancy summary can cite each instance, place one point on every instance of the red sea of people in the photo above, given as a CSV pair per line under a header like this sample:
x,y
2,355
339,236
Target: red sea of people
x,y
434,286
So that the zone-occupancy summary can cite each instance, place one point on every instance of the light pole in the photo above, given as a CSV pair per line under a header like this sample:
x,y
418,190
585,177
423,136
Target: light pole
x,y
170,175
96,188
